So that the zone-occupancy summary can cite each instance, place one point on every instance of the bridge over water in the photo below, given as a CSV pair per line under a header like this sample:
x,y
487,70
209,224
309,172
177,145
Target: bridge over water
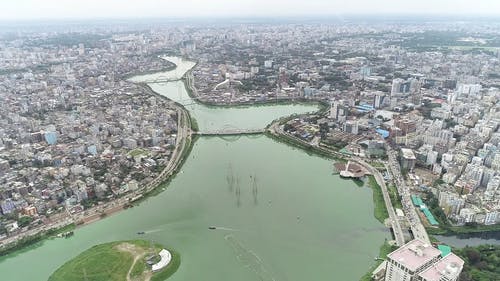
x,y
230,132
160,80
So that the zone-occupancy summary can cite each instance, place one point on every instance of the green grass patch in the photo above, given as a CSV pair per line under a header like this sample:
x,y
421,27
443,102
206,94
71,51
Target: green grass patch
x,y
393,193
137,152
380,211
139,268
107,262
100,262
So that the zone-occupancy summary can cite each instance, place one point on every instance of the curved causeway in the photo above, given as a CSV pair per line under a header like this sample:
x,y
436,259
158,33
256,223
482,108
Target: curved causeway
x,y
288,217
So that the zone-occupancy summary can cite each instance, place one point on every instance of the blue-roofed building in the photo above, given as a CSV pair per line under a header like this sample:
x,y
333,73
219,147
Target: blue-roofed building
x,y
92,149
51,137
367,106
364,108
383,133
7,206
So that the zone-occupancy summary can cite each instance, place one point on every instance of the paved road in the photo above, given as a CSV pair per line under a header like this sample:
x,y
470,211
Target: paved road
x,y
396,226
416,225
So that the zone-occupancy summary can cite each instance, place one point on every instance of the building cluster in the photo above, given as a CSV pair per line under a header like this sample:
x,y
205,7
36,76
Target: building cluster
x,y
438,106
74,133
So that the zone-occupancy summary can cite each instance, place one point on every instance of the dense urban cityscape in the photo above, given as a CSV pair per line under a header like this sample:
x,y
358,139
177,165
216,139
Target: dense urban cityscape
x,y
410,108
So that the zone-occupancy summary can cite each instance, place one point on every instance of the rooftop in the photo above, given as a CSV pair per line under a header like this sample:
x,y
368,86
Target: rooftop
x,y
450,266
414,254
445,250
408,153
383,133
351,170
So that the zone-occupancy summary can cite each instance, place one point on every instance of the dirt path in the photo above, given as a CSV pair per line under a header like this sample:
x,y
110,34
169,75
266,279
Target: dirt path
x,y
137,253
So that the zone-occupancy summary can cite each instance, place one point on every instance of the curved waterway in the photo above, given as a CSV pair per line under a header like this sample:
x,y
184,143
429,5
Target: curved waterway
x,y
279,213
471,239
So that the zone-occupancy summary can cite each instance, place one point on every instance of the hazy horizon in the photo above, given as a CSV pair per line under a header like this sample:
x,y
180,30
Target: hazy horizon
x,y
26,10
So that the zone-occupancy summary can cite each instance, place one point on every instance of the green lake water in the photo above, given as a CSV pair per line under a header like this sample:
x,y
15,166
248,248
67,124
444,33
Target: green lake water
x,y
280,213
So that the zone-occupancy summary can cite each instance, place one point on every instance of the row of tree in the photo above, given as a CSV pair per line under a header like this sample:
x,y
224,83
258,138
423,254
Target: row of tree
x,y
482,263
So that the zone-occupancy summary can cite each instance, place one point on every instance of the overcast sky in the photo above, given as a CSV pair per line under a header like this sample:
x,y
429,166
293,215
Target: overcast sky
x,y
68,9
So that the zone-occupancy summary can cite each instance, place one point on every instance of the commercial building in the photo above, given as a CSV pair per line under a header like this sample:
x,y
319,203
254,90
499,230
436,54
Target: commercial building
x,y
378,100
447,269
408,159
409,260
351,126
338,111
419,261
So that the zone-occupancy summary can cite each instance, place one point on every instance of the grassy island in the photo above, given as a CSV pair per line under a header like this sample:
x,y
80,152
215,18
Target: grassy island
x,y
123,260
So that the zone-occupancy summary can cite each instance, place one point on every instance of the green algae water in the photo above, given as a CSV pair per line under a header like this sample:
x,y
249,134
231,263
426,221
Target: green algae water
x,y
279,213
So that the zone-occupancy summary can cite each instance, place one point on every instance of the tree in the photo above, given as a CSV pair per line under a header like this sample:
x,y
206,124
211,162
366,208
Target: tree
x,y
24,221
3,230
473,255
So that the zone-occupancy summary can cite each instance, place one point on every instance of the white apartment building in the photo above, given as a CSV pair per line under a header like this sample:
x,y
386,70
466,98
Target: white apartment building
x,y
447,269
410,259
419,261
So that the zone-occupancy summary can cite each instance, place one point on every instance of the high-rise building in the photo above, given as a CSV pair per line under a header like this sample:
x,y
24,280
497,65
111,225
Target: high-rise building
x,y
447,269
408,159
419,261
338,111
400,86
409,260
378,100
351,126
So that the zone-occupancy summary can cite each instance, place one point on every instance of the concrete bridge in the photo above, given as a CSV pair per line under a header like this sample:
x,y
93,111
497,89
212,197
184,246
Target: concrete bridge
x,y
161,79
230,132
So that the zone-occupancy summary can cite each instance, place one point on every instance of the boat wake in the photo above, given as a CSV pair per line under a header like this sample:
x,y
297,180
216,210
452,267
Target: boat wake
x,y
152,231
226,228
249,259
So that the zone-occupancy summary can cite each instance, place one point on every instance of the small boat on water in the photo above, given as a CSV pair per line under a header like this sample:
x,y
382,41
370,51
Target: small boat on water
x,y
212,227
141,232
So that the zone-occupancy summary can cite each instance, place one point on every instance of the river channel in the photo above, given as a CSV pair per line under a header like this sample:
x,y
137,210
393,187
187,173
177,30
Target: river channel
x,y
280,213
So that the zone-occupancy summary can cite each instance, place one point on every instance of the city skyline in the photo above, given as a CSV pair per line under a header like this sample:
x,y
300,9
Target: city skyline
x,y
51,9
232,132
